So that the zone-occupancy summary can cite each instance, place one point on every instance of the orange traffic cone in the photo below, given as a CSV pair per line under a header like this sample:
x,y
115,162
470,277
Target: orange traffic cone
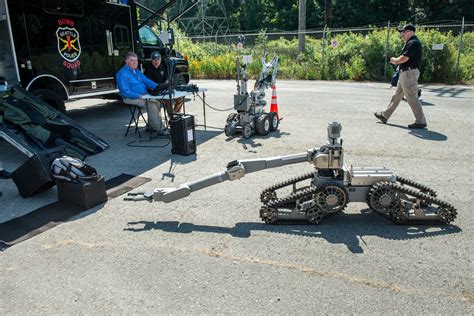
x,y
274,104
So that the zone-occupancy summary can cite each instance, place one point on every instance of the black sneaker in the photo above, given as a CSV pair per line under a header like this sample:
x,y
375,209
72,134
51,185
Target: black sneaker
x,y
380,117
164,132
417,125
150,129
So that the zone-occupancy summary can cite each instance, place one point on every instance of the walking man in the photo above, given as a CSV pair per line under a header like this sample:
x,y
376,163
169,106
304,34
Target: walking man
x,y
409,62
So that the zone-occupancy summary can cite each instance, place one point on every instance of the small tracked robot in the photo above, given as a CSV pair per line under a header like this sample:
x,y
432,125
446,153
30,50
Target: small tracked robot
x,y
251,118
326,190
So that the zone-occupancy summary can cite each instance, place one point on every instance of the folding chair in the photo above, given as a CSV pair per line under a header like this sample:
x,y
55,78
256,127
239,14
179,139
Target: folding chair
x,y
135,114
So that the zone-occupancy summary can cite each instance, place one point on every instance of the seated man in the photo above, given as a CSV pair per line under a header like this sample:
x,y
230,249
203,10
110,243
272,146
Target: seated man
x,y
133,85
156,71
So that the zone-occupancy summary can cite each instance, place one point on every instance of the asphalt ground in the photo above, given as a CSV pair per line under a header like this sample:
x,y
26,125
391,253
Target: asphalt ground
x,y
211,254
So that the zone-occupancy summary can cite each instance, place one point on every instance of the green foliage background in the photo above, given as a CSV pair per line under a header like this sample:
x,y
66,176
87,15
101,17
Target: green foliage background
x,y
347,56
253,15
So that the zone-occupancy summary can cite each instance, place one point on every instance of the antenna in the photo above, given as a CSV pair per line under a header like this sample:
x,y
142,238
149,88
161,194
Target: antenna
x,y
201,23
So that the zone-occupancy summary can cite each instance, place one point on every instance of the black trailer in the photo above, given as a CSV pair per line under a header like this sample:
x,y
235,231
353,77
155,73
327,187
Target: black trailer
x,y
63,50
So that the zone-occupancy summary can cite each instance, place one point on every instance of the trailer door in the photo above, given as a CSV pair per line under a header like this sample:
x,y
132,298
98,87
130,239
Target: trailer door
x,y
96,74
120,36
63,43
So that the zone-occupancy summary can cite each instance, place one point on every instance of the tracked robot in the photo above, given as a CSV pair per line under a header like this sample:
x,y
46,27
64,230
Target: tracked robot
x,y
250,117
326,190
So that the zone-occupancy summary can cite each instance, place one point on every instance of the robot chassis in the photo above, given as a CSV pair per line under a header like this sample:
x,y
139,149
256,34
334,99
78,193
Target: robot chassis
x,y
326,190
251,117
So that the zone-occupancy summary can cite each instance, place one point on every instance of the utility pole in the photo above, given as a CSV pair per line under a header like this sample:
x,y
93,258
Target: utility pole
x,y
323,45
386,50
301,25
328,13
459,50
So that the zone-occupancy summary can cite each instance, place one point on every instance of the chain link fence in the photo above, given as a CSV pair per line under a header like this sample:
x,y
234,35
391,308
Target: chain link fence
x,y
325,46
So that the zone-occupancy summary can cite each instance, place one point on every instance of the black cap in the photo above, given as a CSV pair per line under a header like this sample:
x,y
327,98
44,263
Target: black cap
x,y
155,55
408,27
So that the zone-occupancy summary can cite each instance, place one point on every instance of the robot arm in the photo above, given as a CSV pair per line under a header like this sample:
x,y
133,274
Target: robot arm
x,y
234,171
328,157
268,74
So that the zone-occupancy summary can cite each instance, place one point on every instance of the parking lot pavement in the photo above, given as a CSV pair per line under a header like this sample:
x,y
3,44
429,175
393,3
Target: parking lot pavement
x,y
210,253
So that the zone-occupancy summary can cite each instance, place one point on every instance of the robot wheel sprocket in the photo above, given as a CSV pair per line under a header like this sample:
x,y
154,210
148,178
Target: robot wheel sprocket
x,y
301,199
316,202
331,198
445,212
382,198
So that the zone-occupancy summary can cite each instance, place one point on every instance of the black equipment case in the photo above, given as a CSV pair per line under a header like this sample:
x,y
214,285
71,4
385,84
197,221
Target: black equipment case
x,y
35,174
183,134
85,194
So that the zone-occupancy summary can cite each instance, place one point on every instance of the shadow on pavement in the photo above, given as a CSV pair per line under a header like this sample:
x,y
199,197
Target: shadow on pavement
x,y
423,102
133,160
175,161
253,141
347,229
40,220
429,135
451,92
108,121
426,103
422,133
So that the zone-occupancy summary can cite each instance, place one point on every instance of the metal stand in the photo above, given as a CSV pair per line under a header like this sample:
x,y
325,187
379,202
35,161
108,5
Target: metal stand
x,y
136,113
204,108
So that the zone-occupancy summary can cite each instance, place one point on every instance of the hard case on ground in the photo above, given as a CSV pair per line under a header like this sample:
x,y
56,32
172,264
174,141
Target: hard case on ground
x,y
84,194
183,134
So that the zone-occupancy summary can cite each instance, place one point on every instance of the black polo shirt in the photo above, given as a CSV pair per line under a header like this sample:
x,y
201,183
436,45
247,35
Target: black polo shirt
x,y
158,75
412,50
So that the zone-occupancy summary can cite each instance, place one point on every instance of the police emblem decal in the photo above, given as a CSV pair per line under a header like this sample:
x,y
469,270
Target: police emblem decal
x,y
69,46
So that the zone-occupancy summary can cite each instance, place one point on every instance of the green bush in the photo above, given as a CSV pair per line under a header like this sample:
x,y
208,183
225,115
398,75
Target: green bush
x,y
466,65
347,56
438,65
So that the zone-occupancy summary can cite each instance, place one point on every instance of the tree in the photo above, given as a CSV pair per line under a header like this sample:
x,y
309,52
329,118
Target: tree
x,y
253,15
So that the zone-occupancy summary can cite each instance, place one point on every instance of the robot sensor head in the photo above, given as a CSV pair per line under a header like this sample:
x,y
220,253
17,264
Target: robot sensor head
x,y
334,129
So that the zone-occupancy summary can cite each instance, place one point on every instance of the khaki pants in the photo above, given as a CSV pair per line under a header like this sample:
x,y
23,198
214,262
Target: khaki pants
x,y
408,86
154,107
177,105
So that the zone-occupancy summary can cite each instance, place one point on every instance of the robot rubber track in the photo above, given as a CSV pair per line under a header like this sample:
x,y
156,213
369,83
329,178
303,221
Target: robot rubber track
x,y
326,190
405,192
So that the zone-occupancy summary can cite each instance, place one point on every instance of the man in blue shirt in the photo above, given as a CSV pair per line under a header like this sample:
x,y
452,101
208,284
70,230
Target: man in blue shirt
x,y
133,85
